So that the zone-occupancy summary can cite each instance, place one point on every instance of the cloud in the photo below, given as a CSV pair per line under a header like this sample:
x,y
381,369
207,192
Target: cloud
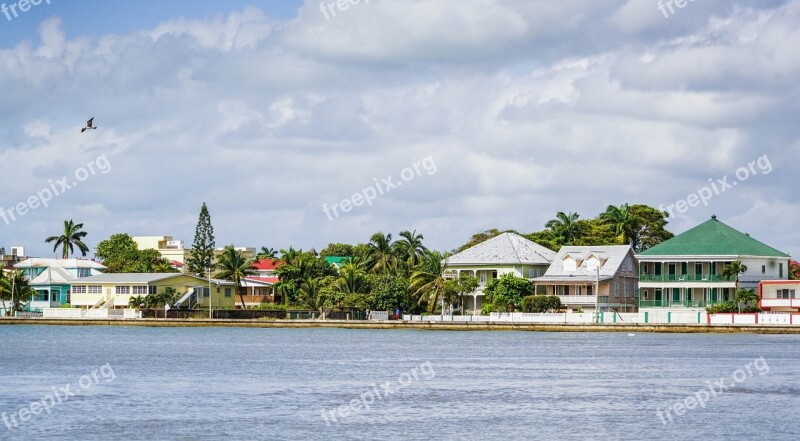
x,y
529,108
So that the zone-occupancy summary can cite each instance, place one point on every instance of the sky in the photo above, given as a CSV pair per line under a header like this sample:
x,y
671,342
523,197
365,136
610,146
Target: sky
x,y
304,124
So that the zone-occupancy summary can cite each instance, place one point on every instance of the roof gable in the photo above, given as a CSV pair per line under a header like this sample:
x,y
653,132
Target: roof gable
x,y
713,238
614,256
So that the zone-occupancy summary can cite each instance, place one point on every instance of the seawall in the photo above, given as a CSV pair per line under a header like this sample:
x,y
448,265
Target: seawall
x,y
428,326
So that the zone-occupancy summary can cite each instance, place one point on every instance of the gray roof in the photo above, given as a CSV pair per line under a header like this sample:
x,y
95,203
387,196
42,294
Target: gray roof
x,y
136,278
614,255
38,262
506,249
53,276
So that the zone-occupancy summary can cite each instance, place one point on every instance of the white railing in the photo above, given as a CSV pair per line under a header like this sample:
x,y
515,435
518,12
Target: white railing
x,y
76,313
379,315
772,303
578,300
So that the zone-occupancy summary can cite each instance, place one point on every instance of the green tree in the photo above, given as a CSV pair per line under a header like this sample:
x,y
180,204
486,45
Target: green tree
x,y
267,253
565,227
622,221
120,254
746,297
338,250
389,292
202,255
541,303
14,288
427,284
70,238
508,290
410,248
381,257
649,226
794,270
234,267
312,296
733,270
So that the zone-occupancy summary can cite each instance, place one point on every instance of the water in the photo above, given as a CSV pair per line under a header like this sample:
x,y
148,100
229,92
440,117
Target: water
x,y
273,384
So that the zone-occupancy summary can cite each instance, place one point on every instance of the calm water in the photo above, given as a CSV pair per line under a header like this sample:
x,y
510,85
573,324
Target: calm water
x,y
227,383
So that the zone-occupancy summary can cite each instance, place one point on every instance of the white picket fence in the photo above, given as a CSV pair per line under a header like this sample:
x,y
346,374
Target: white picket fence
x,y
77,313
643,317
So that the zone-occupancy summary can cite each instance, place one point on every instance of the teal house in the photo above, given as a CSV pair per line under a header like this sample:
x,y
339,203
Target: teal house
x,y
52,278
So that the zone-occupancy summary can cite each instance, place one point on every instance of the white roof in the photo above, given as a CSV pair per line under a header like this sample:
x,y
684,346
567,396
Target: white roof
x,y
614,255
38,262
506,249
53,276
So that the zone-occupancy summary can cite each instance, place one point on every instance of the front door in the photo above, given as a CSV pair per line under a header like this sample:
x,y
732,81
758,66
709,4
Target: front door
x,y
659,300
671,269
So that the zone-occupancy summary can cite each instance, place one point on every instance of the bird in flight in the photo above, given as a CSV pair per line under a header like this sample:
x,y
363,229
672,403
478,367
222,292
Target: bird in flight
x,y
89,125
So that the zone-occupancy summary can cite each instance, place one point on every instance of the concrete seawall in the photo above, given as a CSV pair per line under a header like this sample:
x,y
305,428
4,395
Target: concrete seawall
x,y
430,326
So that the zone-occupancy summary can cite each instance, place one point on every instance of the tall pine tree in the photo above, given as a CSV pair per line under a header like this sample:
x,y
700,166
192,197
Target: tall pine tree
x,y
203,246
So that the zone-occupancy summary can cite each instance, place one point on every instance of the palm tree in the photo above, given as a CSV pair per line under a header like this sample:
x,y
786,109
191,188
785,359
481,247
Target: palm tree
x,y
410,247
234,267
623,222
746,297
565,226
732,271
15,287
311,295
427,282
72,237
267,253
381,257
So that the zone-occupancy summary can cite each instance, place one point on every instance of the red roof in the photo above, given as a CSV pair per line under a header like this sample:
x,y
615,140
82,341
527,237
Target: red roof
x,y
272,280
266,264
175,263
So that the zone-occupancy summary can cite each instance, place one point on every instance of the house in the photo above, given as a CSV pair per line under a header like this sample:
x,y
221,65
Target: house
x,y
169,248
779,295
260,287
338,261
584,277
115,290
7,261
686,271
508,253
52,278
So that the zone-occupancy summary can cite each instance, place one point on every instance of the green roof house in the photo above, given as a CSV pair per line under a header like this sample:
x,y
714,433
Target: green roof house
x,y
685,271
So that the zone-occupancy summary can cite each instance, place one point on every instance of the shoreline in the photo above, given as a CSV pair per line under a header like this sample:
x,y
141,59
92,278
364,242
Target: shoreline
x,y
424,326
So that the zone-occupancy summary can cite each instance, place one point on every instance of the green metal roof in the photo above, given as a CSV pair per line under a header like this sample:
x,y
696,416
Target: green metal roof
x,y
337,260
713,238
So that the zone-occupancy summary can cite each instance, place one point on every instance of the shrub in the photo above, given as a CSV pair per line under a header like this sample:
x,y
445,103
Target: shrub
x,y
540,303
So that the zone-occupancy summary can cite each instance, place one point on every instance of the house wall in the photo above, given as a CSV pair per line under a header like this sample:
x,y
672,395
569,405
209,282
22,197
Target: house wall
x,y
181,283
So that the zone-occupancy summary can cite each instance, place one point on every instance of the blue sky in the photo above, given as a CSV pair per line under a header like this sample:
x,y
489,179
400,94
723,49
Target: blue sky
x,y
272,112
94,18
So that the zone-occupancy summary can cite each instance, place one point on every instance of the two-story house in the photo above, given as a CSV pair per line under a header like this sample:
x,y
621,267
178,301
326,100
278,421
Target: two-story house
x,y
589,277
508,253
686,271
52,278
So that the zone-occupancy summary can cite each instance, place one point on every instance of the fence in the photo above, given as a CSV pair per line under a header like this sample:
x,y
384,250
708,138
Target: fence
x,y
612,317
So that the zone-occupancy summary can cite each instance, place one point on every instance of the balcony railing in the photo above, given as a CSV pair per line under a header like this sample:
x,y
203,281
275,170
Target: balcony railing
x,y
582,300
775,303
671,303
699,278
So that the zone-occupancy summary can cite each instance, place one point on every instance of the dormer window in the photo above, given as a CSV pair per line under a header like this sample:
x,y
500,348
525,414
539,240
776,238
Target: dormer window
x,y
592,263
570,265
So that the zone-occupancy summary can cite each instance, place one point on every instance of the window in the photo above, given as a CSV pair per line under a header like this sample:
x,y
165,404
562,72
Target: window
x,y
646,294
531,273
79,289
780,270
139,290
121,290
786,294
94,289
566,290
483,276
616,288
228,292
84,272
763,269
627,285
698,269
589,290
152,289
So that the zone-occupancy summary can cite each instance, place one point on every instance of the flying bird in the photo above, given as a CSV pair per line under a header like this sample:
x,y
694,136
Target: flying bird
x,y
89,125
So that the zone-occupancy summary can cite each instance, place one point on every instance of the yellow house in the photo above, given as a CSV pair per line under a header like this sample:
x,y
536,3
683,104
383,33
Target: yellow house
x,y
169,249
115,290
